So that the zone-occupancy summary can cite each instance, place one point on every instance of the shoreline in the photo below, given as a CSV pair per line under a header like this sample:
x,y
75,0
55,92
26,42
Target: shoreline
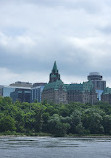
x,y
67,136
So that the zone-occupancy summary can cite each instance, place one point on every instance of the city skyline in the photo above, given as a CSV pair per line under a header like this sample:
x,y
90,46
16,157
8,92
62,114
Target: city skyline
x,y
33,34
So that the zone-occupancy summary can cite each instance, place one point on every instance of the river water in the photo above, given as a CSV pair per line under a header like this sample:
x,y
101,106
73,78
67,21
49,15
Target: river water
x,y
47,147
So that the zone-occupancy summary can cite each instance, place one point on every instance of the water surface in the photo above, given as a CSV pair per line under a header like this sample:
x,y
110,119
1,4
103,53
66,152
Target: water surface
x,y
47,147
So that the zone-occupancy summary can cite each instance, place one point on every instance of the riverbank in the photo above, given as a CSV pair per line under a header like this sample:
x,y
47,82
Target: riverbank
x,y
14,134
24,134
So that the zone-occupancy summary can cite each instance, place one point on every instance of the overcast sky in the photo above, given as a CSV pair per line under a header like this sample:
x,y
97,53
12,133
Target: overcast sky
x,y
35,33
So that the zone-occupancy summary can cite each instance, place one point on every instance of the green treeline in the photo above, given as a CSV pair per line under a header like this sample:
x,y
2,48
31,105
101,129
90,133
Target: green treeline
x,y
56,120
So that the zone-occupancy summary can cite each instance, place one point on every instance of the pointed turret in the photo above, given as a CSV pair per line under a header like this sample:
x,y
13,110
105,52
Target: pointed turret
x,y
54,75
54,70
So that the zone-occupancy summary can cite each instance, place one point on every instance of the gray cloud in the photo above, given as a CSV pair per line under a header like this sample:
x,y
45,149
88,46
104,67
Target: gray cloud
x,y
33,34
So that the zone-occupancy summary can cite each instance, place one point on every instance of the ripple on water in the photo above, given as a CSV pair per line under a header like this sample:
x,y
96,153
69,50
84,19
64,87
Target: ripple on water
x,y
47,147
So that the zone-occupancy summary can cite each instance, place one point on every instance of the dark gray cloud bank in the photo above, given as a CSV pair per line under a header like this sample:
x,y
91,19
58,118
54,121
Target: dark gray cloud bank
x,y
35,33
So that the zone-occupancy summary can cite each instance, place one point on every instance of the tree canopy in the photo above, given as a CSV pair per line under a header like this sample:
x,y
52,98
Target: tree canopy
x,y
55,119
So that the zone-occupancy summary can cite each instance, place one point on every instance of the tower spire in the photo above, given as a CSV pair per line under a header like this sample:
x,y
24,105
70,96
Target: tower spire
x,y
54,75
54,70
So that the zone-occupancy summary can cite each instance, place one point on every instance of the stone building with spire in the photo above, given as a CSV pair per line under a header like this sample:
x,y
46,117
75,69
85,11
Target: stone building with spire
x,y
57,92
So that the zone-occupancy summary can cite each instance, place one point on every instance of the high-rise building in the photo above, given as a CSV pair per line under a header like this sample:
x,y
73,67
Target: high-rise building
x,y
98,83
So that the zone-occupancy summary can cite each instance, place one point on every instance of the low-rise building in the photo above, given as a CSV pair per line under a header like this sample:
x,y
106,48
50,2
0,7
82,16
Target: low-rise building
x,y
23,91
17,93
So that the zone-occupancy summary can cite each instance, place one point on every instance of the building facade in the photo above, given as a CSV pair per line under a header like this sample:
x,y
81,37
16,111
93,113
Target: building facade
x,y
17,93
37,91
55,91
21,94
83,93
106,95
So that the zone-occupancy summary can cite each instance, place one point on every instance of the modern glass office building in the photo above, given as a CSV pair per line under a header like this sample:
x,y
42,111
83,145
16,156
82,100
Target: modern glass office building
x,y
22,94
36,93
7,90
27,93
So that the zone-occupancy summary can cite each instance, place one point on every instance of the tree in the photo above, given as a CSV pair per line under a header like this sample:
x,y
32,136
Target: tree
x,y
7,123
107,124
80,129
76,122
92,121
45,118
56,127
38,117
64,111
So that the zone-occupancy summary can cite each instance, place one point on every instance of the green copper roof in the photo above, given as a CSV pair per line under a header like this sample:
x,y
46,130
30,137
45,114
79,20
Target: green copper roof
x,y
78,87
86,86
66,86
54,67
107,91
55,85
